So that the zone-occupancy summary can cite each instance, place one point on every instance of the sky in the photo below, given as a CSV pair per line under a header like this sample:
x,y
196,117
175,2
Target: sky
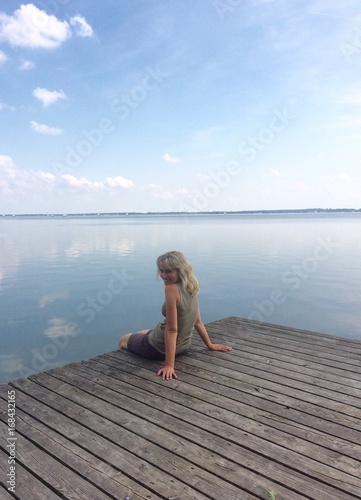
x,y
137,106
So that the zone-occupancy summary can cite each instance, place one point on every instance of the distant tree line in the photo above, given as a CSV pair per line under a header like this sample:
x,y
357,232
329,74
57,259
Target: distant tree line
x,y
214,212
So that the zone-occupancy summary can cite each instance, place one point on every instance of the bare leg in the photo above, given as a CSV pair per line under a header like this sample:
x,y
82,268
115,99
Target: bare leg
x,y
123,341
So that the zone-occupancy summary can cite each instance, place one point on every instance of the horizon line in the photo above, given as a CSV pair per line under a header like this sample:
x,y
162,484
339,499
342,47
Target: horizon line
x,y
172,212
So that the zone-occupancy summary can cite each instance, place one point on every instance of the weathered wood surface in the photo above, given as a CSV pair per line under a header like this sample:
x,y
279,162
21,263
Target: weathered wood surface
x,y
280,413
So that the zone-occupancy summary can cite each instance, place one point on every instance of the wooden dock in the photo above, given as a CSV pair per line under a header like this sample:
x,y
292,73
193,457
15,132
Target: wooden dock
x,y
279,417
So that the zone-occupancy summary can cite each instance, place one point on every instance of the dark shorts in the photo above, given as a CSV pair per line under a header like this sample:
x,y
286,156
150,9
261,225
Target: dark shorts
x,y
138,343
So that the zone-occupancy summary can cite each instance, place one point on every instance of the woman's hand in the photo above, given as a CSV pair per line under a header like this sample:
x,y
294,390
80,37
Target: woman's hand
x,y
167,372
220,347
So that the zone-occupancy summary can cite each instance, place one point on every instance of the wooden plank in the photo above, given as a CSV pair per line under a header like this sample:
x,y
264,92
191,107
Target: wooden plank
x,y
184,426
50,471
313,353
97,443
281,412
265,352
293,338
243,325
283,382
111,422
238,381
329,411
278,362
153,433
323,356
314,343
4,494
178,425
259,422
104,477
278,409
27,486
297,348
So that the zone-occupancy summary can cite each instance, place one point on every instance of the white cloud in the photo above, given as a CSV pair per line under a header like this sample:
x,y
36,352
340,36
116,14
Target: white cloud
x,y
10,363
274,172
58,327
118,181
48,299
300,186
5,106
26,65
33,28
352,99
203,177
15,182
342,177
47,176
348,97
6,163
45,129
48,96
81,27
157,191
171,159
26,191
3,57
68,180
344,122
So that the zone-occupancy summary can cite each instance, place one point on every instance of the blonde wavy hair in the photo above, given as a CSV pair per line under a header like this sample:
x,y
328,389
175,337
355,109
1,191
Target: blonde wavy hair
x,y
176,260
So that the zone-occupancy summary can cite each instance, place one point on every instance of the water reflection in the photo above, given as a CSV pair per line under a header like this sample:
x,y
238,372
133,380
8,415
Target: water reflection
x,y
10,364
51,297
59,327
69,288
33,241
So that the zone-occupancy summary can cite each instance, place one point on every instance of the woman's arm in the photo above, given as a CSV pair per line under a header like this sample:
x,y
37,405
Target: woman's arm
x,y
202,332
171,331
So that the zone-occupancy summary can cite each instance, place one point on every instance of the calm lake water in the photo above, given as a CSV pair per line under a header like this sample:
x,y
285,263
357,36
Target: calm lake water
x,y
69,287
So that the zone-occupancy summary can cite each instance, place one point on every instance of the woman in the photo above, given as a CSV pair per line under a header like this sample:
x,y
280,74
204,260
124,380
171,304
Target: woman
x,y
173,336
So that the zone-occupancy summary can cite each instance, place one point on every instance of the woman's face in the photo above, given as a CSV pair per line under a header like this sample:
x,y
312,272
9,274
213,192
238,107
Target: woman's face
x,y
168,275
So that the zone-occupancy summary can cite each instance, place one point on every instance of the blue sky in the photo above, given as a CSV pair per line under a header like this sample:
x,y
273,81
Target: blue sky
x,y
126,105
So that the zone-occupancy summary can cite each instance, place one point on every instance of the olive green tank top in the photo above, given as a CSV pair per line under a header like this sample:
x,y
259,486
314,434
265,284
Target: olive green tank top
x,y
187,312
